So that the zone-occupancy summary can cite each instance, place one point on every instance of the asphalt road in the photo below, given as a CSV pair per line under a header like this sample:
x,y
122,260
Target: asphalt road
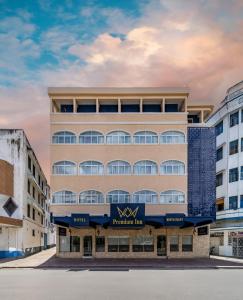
x,y
30,284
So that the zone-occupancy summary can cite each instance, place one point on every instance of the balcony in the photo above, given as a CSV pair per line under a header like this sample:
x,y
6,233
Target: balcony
x,y
230,213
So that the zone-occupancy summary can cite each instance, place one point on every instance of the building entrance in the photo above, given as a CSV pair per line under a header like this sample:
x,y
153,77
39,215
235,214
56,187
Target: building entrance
x,y
87,246
161,245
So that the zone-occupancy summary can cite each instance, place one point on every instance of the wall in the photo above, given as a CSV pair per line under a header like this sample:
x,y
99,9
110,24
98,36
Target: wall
x,y
201,171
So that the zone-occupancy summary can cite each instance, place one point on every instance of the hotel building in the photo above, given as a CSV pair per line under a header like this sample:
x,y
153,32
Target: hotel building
x,y
227,234
132,172
25,226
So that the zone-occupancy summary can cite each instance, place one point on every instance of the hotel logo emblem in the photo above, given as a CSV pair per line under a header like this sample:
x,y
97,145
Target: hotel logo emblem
x,y
127,212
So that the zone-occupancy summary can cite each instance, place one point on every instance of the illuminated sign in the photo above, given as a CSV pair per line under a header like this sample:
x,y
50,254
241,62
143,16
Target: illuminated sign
x,y
78,220
176,220
127,215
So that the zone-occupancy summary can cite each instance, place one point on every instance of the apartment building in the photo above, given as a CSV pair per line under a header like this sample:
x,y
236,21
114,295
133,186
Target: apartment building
x,y
227,234
132,172
25,225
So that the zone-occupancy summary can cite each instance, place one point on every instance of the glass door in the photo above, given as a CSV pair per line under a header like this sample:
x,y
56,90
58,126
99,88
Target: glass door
x,y
161,245
88,246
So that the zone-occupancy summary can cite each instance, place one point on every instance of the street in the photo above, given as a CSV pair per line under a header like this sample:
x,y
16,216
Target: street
x,y
68,284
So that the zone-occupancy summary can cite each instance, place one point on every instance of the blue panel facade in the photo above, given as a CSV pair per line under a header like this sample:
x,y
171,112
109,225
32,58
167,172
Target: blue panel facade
x,y
201,171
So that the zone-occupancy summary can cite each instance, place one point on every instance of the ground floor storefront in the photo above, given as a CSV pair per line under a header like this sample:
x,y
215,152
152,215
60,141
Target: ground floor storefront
x,y
227,241
126,243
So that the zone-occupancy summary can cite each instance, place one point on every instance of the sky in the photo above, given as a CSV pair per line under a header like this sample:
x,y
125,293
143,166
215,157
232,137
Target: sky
x,y
121,43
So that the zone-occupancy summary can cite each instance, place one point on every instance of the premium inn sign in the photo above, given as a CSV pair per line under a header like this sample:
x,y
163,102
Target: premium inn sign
x,y
127,215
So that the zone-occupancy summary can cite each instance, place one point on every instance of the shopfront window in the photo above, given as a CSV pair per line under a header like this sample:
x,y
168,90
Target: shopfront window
x,y
187,243
118,244
64,243
100,244
74,244
174,243
143,244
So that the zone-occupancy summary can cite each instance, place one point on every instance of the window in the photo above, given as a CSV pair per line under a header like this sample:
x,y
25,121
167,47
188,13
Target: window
x,y
91,168
145,196
145,167
91,196
172,137
145,137
28,187
241,147
33,232
242,116
63,197
119,167
118,196
219,128
91,137
233,147
39,180
74,243
33,171
143,244
172,167
33,192
219,154
187,243
219,179
241,201
234,119
29,163
64,168
118,137
233,175
28,210
172,196
118,244
174,243
100,244
233,202
66,108
241,173
64,137
33,214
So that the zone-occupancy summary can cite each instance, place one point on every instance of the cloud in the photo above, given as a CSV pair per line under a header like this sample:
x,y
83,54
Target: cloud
x,y
186,43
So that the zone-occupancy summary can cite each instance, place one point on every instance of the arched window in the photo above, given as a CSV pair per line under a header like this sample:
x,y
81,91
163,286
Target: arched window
x,y
91,168
118,196
172,196
64,168
145,167
91,196
63,197
172,167
172,137
145,196
119,167
145,137
64,137
91,137
118,137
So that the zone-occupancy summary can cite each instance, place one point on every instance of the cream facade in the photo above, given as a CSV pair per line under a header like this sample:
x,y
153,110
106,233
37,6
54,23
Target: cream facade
x,y
123,146
25,225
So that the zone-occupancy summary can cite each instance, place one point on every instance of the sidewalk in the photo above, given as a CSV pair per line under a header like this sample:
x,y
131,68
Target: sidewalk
x,y
31,261
47,259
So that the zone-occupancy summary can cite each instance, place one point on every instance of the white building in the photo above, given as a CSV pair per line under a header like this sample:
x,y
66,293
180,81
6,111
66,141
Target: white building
x,y
227,235
25,225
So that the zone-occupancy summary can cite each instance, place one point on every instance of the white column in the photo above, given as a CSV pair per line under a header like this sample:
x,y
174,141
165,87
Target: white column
x,y
141,105
74,105
119,105
97,105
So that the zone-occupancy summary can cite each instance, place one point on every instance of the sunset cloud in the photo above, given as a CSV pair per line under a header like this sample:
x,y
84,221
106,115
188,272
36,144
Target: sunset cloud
x,y
197,44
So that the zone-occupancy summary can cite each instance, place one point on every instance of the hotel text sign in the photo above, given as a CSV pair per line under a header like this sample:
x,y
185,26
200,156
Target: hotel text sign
x,y
127,215
79,220
174,219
